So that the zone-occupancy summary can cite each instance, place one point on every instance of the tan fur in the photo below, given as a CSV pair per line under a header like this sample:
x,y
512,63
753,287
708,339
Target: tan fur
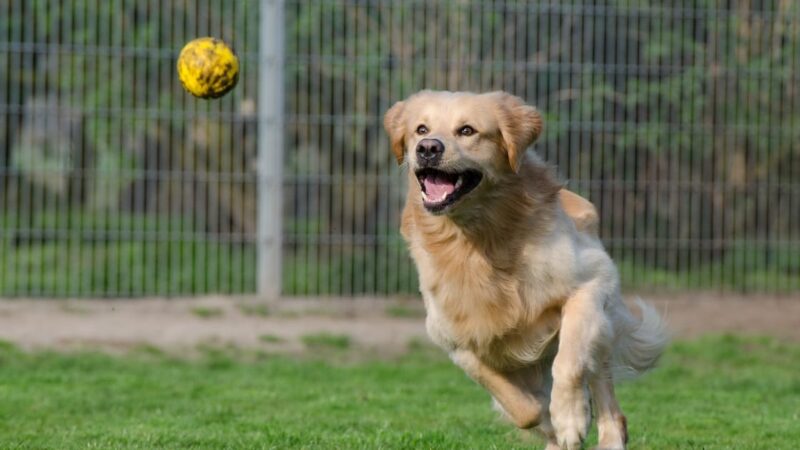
x,y
394,126
580,210
517,287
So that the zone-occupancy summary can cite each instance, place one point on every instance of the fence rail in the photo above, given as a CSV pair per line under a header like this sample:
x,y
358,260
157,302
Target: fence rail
x,y
678,119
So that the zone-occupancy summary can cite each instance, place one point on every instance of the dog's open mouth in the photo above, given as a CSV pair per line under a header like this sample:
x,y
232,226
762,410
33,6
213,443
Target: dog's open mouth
x,y
442,189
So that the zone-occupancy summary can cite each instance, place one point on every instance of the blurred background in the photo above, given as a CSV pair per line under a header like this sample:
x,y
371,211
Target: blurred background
x,y
679,119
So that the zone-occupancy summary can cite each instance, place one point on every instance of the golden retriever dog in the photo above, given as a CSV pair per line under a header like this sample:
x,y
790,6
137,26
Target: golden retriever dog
x,y
517,286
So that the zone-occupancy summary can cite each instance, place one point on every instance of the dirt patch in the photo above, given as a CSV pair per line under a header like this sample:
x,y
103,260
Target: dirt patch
x,y
386,326
183,324
699,314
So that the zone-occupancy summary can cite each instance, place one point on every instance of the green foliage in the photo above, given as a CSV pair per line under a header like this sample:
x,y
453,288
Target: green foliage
x,y
384,269
117,255
714,393
111,67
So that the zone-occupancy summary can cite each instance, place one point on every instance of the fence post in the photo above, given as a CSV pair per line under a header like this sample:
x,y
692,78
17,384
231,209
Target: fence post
x,y
270,147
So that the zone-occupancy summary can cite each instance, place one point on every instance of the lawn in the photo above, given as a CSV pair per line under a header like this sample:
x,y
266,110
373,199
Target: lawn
x,y
721,392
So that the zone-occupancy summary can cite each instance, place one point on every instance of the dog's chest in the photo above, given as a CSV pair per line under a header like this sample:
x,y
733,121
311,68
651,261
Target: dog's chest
x,y
510,318
473,305
509,341
468,293
533,340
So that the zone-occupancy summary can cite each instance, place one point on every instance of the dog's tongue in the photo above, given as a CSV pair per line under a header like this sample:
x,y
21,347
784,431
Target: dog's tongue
x,y
438,186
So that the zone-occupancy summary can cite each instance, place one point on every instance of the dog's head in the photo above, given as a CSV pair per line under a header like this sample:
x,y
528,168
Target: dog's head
x,y
455,142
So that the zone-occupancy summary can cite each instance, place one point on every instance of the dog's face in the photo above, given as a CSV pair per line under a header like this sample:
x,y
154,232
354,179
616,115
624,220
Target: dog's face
x,y
457,142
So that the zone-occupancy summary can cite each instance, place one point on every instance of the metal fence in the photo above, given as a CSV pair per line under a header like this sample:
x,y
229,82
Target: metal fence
x,y
113,181
678,119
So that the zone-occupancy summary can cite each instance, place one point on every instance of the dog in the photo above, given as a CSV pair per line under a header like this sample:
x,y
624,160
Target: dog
x,y
517,286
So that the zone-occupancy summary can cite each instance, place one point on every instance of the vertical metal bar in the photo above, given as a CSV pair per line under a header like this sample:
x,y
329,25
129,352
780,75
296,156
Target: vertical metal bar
x,y
5,166
314,137
270,148
111,229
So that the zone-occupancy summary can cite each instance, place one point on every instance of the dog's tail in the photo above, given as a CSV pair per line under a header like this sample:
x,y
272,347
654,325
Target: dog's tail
x,y
640,342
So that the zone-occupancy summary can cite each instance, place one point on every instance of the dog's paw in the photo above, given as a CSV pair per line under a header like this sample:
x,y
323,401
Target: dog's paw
x,y
569,412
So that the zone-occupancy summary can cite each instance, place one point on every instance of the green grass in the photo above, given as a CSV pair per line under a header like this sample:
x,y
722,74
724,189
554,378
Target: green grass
x,y
326,340
728,276
773,267
404,311
125,269
715,393
113,254
207,313
255,309
387,269
108,253
270,339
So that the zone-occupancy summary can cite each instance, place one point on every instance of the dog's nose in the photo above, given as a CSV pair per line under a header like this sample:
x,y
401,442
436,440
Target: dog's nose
x,y
430,150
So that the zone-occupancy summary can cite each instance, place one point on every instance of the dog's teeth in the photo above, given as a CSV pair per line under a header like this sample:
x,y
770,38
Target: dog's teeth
x,y
458,182
432,200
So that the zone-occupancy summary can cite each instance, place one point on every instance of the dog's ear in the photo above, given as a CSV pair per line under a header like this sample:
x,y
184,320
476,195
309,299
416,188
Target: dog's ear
x,y
393,124
520,125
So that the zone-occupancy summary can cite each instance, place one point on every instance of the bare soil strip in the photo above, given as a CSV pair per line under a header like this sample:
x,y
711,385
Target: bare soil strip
x,y
387,326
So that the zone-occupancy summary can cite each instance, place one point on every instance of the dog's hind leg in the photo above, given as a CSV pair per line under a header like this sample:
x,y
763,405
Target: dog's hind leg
x,y
611,424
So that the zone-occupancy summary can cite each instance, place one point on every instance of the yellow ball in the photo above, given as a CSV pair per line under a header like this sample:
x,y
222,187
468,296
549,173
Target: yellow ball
x,y
208,68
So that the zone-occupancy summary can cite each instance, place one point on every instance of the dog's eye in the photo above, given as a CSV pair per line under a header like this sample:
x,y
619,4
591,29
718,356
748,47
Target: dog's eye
x,y
422,129
466,130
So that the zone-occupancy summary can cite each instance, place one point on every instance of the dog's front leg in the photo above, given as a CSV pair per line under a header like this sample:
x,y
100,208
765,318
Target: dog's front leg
x,y
585,333
522,408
